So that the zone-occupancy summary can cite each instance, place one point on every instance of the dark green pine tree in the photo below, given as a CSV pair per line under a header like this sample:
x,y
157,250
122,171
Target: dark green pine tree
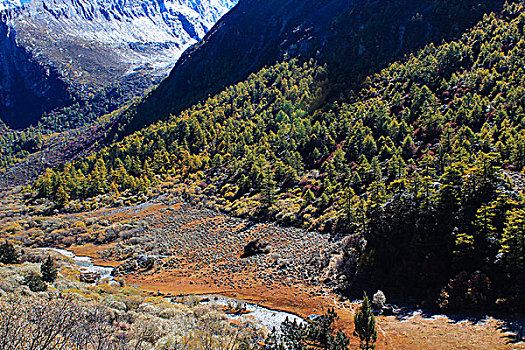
x,y
267,188
49,270
340,341
294,335
8,254
35,282
365,325
272,342
321,333
318,334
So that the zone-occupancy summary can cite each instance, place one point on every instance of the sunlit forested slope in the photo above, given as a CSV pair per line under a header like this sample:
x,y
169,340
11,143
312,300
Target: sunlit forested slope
x,y
354,38
421,170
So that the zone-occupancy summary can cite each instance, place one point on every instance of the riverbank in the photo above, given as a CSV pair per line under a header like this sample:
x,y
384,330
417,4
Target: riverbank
x,y
204,249
414,330
260,315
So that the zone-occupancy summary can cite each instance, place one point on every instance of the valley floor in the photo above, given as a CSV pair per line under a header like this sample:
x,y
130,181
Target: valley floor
x,y
198,251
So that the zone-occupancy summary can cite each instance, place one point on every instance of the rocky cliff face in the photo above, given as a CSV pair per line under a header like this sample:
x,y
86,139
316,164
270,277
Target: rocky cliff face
x,y
93,44
27,89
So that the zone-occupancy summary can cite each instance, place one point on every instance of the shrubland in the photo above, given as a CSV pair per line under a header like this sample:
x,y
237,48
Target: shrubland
x,y
69,314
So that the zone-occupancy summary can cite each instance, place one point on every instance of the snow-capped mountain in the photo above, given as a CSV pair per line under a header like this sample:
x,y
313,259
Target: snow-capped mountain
x,y
94,44
79,37
9,4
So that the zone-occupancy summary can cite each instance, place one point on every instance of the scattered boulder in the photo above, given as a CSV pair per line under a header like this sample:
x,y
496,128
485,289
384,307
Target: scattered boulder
x,y
117,305
140,263
256,247
169,313
89,277
147,308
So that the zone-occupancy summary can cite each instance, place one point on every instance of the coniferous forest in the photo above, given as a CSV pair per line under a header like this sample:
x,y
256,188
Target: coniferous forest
x,y
420,169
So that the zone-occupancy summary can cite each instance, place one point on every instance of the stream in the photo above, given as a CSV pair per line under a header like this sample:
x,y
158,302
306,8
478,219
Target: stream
x,y
264,317
86,264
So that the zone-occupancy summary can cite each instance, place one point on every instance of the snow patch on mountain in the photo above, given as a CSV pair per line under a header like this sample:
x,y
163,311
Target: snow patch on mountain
x,y
9,4
93,42
51,49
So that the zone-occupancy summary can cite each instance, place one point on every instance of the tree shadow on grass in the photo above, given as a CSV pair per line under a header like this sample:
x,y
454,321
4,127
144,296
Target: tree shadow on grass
x,y
513,329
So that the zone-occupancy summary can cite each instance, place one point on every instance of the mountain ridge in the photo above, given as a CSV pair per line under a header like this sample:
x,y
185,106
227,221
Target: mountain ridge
x,y
96,44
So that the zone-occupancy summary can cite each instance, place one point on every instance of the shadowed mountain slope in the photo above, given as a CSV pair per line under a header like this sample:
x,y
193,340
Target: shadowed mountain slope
x,y
354,37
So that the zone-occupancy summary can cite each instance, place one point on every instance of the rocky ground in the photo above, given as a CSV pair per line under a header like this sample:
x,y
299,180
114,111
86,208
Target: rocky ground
x,y
208,241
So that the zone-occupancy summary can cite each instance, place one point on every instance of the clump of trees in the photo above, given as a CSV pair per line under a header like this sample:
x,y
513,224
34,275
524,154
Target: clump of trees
x,y
38,282
35,282
316,334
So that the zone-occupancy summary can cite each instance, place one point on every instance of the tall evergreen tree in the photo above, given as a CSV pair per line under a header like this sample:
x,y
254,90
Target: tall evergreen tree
x,y
365,325
267,187
49,270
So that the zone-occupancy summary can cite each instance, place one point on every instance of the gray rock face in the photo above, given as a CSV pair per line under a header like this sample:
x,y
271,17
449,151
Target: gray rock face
x,y
85,37
93,44
27,89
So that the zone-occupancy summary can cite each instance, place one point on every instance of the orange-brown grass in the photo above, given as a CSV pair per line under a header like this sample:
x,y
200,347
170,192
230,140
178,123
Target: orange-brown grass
x,y
442,333
412,333
92,251
191,276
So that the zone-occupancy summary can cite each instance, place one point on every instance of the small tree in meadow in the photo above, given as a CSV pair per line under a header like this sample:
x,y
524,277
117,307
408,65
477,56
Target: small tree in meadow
x,y
365,325
49,270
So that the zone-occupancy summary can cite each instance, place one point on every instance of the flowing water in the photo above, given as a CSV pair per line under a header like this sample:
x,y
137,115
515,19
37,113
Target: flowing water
x,y
86,264
257,314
